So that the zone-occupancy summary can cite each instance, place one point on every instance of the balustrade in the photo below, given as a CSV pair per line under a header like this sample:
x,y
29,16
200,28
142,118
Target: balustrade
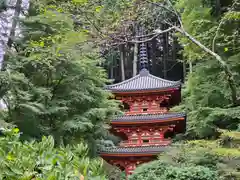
x,y
153,142
162,110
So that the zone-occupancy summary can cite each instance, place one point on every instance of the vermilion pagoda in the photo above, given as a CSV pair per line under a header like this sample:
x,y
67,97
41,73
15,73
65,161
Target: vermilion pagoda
x,y
147,126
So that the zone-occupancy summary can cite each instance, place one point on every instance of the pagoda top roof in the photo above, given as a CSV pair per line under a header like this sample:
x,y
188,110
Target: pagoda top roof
x,y
133,151
145,118
142,82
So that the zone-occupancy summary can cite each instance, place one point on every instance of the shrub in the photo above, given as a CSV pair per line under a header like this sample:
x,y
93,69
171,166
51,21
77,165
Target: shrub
x,y
41,160
159,170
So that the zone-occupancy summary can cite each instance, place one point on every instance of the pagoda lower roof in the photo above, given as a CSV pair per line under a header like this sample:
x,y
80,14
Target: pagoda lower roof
x,y
142,82
145,118
133,151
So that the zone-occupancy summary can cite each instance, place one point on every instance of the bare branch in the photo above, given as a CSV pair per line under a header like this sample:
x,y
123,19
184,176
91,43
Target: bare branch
x,y
224,65
91,22
156,34
147,35
172,10
176,13
219,27
216,35
161,5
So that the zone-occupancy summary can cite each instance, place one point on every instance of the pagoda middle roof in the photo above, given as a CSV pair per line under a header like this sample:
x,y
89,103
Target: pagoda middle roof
x,y
133,150
143,81
148,117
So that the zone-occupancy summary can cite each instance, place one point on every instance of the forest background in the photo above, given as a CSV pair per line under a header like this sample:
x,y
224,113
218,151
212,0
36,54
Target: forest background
x,y
60,54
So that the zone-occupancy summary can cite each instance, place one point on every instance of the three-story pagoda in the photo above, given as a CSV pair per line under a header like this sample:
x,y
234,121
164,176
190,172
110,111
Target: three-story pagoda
x,y
147,126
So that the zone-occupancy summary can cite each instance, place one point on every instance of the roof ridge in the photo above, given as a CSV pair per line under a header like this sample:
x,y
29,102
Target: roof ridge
x,y
143,81
125,81
151,75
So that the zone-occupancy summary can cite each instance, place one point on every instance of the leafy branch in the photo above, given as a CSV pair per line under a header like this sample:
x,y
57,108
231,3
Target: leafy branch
x,y
225,67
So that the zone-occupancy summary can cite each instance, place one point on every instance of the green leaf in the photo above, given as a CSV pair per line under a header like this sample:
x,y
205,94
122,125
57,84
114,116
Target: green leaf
x,y
225,49
16,130
41,44
98,9
80,1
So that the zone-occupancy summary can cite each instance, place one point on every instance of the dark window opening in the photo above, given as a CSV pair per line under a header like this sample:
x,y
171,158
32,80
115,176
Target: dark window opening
x,y
164,103
125,107
169,134
145,109
145,141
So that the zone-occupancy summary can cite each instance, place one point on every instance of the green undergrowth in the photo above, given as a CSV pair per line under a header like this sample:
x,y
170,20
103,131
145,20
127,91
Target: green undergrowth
x,y
43,161
196,160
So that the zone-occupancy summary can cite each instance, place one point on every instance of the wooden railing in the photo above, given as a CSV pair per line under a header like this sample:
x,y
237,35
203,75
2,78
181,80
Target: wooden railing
x,y
163,142
149,111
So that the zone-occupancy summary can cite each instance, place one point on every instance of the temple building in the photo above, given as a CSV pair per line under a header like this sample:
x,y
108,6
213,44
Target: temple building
x,y
147,126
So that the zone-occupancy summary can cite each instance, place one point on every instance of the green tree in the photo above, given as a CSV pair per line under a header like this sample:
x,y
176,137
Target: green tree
x,y
54,81
207,98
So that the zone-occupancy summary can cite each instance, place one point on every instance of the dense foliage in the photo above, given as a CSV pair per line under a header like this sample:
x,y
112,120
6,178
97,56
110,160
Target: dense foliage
x,y
53,84
157,170
40,160
53,77
200,159
207,95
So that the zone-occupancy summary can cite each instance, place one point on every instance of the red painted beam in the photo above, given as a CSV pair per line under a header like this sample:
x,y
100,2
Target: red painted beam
x,y
145,91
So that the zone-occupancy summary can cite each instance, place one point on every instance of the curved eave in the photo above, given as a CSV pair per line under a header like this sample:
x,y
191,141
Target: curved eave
x,y
142,82
128,154
147,90
133,151
148,121
149,118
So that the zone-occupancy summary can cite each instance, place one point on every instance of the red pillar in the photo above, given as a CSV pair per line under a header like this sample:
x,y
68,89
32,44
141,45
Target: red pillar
x,y
129,168
161,135
139,138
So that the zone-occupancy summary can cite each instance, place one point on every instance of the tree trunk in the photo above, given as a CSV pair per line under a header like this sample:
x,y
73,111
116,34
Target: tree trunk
x,y
217,8
13,29
154,59
135,52
135,58
14,23
122,59
165,54
190,67
111,71
184,70
111,66
127,60
174,52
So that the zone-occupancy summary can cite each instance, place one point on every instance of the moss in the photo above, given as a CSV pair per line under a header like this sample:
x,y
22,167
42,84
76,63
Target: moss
x,y
233,134
230,139
227,152
216,147
202,143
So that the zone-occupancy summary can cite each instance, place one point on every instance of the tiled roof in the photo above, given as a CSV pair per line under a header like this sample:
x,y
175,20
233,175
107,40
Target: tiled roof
x,y
133,150
143,81
147,117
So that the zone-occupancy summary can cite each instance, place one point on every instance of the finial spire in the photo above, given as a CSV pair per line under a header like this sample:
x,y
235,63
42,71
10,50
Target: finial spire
x,y
143,51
